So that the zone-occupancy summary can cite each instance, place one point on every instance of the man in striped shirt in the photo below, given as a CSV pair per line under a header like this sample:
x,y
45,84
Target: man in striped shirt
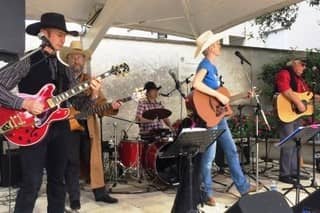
x,y
30,75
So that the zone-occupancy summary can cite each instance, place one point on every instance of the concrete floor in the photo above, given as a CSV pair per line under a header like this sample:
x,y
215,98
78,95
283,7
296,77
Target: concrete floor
x,y
154,201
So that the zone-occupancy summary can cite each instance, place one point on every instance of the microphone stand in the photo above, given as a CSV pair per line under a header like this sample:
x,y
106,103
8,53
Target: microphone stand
x,y
313,183
264,118
178,88
27,55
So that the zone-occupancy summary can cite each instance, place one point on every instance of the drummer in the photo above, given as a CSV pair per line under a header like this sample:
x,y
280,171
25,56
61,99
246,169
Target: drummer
x,y
150,102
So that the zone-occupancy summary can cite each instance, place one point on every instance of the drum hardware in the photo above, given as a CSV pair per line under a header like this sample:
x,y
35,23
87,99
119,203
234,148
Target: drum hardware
x,y
164,169
130,154
142,157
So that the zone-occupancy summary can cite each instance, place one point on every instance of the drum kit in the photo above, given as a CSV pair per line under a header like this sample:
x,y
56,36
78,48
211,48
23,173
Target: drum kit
x,y
141,158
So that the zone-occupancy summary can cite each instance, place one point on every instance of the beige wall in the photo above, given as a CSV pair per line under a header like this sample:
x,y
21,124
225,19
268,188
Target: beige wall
x,y
151,60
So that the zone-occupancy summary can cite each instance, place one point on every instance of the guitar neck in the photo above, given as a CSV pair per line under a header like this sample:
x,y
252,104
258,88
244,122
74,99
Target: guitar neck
x,y
56,100
238,96
102,108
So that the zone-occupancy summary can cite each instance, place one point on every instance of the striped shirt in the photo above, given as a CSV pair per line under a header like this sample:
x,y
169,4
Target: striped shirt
x,y
10,76
145,105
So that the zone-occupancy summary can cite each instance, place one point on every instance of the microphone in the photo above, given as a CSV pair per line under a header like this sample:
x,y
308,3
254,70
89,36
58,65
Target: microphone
x,y
187,80
243,59
45,41
173,75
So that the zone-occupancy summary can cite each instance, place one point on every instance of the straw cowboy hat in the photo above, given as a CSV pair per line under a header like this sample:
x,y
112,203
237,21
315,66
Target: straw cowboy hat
x,y
75,48
50,20
302,60
205,40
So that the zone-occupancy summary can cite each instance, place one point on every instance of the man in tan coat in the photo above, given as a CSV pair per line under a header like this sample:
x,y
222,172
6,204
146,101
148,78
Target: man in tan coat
x,y
86,140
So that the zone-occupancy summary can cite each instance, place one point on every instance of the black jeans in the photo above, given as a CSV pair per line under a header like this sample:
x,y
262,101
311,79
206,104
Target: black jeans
x,y
79,151
50,153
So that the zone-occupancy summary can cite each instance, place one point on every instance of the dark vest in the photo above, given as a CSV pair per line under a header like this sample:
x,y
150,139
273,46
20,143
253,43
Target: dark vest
x,y
40,74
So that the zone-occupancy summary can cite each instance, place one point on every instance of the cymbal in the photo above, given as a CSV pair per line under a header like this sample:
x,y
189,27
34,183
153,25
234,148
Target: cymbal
x,y
156,113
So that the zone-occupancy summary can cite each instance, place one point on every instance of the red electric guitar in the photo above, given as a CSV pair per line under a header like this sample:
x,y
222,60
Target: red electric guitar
x,y
24,129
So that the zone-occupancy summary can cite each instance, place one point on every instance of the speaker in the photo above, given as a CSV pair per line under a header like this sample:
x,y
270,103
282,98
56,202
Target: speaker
x,y
10,174
309,204
266,202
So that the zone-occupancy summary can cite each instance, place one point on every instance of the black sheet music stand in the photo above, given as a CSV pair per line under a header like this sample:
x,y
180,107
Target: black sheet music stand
x,y
301,134
188,144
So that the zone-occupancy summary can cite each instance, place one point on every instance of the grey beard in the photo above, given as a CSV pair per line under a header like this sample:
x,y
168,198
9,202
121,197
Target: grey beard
x,y
76,72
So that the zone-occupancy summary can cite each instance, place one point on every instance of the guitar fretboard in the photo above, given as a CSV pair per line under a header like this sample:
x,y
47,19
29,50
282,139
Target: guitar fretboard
x,y
101,108
56,100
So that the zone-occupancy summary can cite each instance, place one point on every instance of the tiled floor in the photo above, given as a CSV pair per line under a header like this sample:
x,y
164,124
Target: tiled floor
x,y
154,201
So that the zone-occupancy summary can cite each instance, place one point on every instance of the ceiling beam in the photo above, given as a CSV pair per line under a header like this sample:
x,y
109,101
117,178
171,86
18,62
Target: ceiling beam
x,y
104,21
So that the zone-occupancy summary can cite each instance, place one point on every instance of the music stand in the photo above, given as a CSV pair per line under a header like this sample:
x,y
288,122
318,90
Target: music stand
x,y
188,144
302,133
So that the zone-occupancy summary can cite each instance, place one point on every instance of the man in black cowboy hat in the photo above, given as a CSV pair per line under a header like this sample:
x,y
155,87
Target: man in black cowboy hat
x,y
30,75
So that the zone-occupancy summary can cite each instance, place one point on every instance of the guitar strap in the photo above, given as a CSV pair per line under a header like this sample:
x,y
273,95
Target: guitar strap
x,y
60,76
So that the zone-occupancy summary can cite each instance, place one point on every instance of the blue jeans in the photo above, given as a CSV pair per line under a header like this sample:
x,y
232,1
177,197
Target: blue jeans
x,y
229,148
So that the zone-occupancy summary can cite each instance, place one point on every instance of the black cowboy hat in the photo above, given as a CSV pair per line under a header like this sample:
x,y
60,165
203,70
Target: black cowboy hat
x,y
151,85
50,20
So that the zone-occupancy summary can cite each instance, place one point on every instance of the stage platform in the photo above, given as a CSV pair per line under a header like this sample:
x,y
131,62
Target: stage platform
x,y
154,198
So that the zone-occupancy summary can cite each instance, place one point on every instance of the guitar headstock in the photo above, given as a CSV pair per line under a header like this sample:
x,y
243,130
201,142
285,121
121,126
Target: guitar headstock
x,y
121,69
138,94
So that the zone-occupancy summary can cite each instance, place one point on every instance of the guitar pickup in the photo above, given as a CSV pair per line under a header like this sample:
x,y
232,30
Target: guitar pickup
x,y
50,103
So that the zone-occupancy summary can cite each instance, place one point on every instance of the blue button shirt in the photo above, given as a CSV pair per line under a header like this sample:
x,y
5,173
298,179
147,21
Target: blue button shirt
x,y
211,79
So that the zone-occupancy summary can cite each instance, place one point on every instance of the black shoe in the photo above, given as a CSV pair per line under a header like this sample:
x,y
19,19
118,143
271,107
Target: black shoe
x,y
287,179
107,199
302,177
75,205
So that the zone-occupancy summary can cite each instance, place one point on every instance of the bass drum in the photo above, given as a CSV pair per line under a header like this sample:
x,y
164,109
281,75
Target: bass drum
x,y
166,169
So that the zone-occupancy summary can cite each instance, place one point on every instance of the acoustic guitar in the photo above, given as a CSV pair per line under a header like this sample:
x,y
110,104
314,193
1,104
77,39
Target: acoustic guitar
x,y
208,108
287,111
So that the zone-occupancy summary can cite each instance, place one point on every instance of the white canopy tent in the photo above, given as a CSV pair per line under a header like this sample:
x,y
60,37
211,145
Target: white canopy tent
x,y
187,18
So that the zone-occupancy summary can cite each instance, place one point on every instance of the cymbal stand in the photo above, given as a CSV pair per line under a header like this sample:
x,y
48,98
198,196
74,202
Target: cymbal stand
x,y
138,162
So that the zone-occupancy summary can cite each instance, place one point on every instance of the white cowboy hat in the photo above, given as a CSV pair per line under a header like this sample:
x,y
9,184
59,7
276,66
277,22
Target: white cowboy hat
x,y
75,48
205,40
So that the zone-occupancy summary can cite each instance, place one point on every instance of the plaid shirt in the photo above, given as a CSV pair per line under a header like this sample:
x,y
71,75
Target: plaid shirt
x,y
145,105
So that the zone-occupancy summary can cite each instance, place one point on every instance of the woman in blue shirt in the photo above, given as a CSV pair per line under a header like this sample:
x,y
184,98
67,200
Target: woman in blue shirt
x,y
207,81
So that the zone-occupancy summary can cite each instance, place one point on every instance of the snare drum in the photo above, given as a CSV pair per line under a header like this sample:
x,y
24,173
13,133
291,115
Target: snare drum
x,y
166,169
130,152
